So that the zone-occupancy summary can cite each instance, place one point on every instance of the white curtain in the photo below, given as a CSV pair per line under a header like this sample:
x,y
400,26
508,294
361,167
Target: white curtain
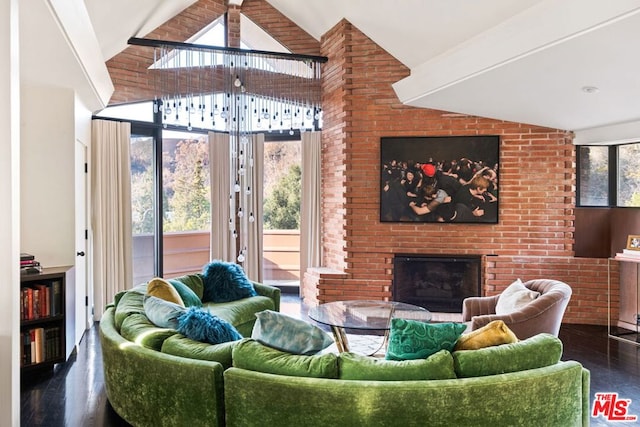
x,y
223,245
254,259
310,221
111,210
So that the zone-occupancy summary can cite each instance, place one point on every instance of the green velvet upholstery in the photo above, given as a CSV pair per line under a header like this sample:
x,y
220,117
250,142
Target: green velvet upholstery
x,y
147,387
179,345
438,366
535,352
250,354
138,329
129,303
554,396
241,313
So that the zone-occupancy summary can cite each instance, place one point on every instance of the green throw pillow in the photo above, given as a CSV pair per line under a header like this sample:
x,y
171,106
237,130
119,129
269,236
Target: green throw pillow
x,y
251,355
188,296
438,366
289,334
194,282
535,352
411,339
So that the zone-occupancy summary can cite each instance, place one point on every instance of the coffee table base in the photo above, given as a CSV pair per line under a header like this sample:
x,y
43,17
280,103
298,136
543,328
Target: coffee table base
x,y
342,342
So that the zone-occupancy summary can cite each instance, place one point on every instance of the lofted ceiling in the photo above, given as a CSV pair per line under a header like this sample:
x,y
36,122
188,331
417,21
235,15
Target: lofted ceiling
x,y
568,64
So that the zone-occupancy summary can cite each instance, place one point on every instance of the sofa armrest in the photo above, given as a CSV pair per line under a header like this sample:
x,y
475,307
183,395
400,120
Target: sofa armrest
x,y
268,291
478,306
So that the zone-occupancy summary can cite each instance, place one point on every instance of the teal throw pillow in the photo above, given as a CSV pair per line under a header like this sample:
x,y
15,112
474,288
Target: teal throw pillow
x,y
253,356
161,312
411,339
224,282
438,366
289,334
535,352
200,325
188,296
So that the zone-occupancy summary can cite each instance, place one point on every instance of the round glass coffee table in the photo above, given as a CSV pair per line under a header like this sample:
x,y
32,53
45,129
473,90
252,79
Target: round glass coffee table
x,y
364,315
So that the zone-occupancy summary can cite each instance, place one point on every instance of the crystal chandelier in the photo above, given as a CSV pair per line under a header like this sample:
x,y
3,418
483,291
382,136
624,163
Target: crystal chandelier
x,y
239,92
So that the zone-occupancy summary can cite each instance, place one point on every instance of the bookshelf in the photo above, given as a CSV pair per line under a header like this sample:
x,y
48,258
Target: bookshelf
x,y
43,319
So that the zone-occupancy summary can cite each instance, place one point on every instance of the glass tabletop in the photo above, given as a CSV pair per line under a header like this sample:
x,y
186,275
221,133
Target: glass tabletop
x,y
364,314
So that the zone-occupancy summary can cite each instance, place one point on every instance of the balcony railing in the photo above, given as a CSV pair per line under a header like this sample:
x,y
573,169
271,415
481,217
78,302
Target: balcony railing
x,y
188,251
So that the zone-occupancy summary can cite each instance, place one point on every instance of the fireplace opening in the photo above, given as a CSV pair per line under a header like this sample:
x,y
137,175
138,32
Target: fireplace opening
x,y
437,283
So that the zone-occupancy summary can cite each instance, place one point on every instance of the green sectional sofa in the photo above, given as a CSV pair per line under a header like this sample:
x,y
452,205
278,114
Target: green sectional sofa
x,y
160,378
155,376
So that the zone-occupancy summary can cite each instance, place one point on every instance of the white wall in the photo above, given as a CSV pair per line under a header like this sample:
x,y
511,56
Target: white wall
x,y
48,134
9,215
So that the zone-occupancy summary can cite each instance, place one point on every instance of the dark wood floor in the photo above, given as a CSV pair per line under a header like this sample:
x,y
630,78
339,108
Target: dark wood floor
x,y
74,395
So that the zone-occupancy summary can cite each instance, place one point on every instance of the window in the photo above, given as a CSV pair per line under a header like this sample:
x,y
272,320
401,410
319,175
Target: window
x,y
629,175
609,175
594,175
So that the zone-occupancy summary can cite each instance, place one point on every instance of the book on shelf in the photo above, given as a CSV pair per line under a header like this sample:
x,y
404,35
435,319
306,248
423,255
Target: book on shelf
x,y
26,257
40,300
39,345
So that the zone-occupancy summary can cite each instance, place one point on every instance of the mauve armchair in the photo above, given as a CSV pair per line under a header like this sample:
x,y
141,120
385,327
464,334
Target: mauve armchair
x,y
544,314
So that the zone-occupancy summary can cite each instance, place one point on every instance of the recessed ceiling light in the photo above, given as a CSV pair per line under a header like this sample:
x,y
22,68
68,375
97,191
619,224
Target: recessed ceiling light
x,y
590,89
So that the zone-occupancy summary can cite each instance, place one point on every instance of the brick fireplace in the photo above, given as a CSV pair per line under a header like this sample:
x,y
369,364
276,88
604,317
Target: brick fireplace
x,y
438,283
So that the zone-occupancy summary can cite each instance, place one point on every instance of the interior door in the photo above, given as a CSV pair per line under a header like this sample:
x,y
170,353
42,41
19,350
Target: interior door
x,y
82,313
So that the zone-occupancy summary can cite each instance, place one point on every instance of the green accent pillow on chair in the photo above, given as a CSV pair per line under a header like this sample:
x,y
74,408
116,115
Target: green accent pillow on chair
x,y
411,339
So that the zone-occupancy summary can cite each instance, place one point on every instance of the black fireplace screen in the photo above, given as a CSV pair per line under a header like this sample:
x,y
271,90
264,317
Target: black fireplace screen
x,y
437,283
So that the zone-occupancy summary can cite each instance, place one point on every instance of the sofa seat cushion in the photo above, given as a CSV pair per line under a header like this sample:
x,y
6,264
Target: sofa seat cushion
x,y
251,355
240,311
138,328
438,366
536,352
181,346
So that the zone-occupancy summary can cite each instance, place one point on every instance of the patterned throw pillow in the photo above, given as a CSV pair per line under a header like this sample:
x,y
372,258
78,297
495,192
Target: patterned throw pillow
x,y
289,334
516,296
493,333
411,339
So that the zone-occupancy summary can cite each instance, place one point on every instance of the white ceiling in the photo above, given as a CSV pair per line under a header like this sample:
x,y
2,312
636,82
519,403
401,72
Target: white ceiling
x,y
518,60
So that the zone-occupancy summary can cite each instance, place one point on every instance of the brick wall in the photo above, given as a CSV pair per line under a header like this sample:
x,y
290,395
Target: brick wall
x,y
534,237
